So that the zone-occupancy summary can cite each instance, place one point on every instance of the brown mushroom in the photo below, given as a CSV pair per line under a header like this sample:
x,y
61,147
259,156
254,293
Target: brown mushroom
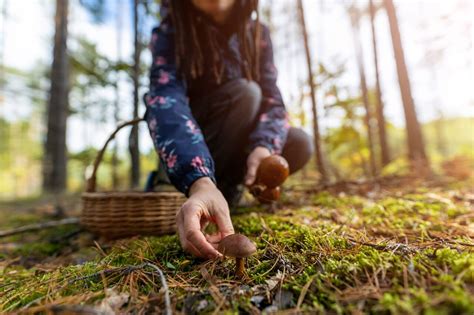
x,y
238,246
272,171
268,195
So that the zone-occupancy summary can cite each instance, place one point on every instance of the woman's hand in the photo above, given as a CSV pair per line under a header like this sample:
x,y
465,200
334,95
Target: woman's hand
x,y
205,204
253,161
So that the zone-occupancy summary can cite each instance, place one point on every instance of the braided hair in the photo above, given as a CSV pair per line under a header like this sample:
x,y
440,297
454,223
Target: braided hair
x,y
193,39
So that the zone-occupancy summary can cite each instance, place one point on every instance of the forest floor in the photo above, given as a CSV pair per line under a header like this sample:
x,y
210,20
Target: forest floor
x,y
398,246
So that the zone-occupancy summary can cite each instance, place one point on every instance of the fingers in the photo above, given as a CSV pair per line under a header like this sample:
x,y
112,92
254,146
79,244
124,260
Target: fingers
x,y
224,223
214,239
251,171
253,161
187,247
201,208
191,236
196,239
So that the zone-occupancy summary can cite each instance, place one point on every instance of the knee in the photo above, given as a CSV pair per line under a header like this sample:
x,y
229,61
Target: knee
x,y
249,90
303,141
299,149
248,96
307,146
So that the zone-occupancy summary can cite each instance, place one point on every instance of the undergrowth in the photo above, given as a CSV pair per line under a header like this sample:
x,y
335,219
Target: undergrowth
x,y
385,253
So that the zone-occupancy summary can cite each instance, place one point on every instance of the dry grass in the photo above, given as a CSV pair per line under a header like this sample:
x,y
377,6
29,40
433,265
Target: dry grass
x,y
400,246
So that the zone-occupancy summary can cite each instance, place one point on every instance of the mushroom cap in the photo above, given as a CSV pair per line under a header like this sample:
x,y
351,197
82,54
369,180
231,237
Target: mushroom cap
x,y
236,245
269,195
273,171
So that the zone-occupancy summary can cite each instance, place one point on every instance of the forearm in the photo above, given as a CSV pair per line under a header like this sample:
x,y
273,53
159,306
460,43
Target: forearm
x,y
273,124
271,131
176,136
184,156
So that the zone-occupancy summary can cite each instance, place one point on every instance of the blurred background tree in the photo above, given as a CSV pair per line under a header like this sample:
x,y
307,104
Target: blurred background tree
x,y
55,159
381,123
55,113
416,144
355,15
312,87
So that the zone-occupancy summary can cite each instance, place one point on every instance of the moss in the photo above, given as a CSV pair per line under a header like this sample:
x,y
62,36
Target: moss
x,y
327,200
353,254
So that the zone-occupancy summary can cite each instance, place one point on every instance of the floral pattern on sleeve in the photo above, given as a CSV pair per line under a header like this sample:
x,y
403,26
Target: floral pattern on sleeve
x,y
174,131
193,130
272,128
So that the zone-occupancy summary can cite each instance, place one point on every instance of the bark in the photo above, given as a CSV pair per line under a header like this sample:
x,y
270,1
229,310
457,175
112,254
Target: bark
x,y
317,136
119,24
2,52
381,123
133,139
416,146
365,94
55,156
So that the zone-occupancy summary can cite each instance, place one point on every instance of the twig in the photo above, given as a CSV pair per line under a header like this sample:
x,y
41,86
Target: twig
x,y
65,238
128,270
449,241
164,285
122,270
213,290
303,293
39,226
398,247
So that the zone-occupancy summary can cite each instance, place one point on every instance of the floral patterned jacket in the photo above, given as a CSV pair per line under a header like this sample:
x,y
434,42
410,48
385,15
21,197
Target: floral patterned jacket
x,y
175,133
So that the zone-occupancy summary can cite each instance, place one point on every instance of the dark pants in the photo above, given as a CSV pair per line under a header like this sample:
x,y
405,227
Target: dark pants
x,y
227,116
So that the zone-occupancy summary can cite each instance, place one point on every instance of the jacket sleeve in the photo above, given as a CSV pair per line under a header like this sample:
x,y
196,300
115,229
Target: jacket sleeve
x,y
176,136
272,127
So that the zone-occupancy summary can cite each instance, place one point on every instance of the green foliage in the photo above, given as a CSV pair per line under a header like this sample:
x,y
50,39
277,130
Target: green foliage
x,y
397,254
346,144
20,157
457,134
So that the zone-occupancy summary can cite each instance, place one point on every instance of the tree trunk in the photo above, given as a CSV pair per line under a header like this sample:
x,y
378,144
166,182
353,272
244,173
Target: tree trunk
x,y
2,55
133,139
317,137
354,16
416,146
381,124
119,23
55,156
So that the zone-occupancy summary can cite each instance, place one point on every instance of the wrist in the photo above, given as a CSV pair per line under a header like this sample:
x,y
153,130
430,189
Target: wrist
x,y
262,151
201,183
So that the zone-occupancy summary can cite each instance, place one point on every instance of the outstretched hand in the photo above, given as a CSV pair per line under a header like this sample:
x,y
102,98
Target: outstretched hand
x,y
205,205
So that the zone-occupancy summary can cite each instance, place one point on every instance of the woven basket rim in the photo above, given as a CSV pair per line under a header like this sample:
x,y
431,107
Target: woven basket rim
x,y
117,214
99,194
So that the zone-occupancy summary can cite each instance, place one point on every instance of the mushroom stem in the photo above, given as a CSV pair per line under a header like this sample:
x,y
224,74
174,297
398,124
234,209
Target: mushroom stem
x,y
239,267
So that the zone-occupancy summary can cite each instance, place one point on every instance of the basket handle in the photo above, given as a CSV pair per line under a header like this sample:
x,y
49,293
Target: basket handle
x,y
91,181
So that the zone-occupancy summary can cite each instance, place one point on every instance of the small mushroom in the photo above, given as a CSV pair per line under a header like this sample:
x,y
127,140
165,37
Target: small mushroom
x,y
272,171
239,247
269,195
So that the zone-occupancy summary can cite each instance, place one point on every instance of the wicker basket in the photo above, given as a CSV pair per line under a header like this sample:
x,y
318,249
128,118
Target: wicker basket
x,y
122,214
